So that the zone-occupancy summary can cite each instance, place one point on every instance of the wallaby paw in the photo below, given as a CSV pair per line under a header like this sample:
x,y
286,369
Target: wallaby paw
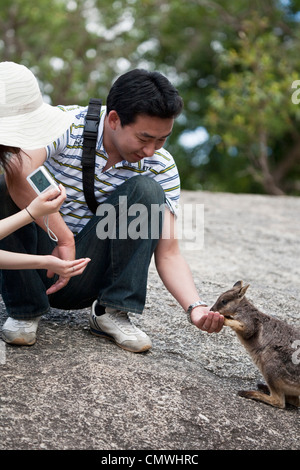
x,y
277,402
234,324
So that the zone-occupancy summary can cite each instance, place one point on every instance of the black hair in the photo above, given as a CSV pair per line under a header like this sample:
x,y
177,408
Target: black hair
x,y
140,92
6,154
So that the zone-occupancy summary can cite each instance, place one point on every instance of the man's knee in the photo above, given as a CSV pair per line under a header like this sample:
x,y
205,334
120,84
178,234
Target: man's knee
x,y
146,190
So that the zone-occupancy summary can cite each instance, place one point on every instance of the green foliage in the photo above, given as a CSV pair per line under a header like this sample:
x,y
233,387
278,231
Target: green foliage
x,y
75,47
251,107
233,62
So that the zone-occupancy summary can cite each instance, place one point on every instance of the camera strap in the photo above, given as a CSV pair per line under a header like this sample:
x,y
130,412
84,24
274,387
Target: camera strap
x,y
90,134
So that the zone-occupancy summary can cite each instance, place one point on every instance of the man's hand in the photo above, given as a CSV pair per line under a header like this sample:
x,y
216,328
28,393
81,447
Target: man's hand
x,y
205,320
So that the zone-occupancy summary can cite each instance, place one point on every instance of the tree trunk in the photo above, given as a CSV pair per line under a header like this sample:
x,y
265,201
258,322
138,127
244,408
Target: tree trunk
x,y
268,180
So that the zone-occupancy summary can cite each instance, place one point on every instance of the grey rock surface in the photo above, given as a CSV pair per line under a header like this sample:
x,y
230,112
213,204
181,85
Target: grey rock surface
x,y
72,390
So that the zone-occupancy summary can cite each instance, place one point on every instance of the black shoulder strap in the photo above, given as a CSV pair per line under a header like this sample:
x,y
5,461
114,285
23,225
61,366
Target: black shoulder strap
x,y
90,135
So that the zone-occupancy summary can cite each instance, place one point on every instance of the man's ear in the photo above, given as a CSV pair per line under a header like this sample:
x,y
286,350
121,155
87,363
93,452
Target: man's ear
x,y
113,119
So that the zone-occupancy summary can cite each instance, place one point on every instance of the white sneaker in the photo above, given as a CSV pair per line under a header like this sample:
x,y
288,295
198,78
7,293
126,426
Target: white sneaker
x,y
116,326
20,332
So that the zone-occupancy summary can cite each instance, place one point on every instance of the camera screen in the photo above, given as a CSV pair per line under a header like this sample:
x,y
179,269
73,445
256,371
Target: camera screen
x,y
40,181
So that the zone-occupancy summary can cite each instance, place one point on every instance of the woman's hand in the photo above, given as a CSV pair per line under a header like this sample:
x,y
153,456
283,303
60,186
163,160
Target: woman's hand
x,y
65,270
47,202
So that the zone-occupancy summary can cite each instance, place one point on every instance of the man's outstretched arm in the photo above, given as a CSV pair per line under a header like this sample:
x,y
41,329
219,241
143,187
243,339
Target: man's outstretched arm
x,y
177,277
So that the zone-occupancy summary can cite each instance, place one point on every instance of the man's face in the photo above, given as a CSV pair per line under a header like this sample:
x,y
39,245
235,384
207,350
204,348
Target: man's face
x,y
142,138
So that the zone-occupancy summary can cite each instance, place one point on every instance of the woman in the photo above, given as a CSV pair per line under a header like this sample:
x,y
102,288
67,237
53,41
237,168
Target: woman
x,y
23,115
27,122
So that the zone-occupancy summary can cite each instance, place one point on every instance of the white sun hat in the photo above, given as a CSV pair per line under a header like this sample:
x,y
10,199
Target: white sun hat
x,y
26,121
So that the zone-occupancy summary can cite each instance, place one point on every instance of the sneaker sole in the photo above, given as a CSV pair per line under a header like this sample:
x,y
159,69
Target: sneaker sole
x,y
103,335
19,341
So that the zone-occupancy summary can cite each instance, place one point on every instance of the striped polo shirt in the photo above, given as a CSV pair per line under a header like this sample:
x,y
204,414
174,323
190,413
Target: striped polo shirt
x,y
64,164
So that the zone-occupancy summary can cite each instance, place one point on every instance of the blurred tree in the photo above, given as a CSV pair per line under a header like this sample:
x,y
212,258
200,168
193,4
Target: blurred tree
x,y
252,107
75,47
235,64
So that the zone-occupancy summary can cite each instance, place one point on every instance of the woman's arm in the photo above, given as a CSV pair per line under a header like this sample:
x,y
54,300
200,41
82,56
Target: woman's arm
x,y
10,260
22,194
47,203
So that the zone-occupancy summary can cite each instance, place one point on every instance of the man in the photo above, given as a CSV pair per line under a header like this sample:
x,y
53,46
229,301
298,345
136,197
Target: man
x,y
131,169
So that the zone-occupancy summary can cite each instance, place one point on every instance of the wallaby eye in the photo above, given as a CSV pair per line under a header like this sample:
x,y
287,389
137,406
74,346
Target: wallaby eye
x,y
225,302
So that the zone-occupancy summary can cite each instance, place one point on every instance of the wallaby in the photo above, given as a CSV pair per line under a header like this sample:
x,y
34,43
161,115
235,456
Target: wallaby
x,y
271,344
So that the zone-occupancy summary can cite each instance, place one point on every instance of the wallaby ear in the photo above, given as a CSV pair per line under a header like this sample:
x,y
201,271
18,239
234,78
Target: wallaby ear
x,y
243,290
238,284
